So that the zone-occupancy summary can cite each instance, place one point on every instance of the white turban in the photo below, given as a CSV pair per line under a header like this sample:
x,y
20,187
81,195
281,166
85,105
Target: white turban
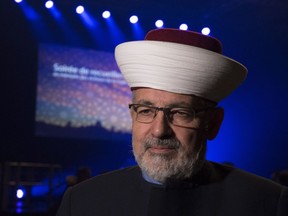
x,y
179,68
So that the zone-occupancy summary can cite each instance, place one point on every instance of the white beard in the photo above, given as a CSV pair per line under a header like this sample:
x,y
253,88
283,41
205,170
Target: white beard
x,y
178,165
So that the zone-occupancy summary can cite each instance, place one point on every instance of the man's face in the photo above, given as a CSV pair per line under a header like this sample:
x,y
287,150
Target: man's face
x,y
165,151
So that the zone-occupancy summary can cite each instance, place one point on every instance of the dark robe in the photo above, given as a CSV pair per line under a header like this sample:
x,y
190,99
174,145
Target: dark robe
x,y
216,191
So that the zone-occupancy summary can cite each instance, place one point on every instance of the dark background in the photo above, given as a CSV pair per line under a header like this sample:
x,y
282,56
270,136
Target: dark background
x,y
254,135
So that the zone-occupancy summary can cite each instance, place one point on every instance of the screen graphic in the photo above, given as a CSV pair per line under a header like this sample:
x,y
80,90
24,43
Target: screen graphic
x,y
80,93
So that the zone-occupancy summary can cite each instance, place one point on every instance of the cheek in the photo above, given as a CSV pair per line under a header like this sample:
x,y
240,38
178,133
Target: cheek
x,y
136,131
188,139
140,130
139,133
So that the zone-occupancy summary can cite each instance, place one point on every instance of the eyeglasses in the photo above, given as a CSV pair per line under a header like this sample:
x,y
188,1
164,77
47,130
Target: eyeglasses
x,y
178,116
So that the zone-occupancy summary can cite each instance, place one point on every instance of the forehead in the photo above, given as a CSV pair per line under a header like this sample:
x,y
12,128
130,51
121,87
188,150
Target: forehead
x,y
160,97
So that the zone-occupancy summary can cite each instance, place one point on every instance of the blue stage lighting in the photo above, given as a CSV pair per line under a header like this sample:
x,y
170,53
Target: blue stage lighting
x,y
106,14
205,31
49,4
18,1
80,9
159,23
20,193
88,20
183,26
19,206
30,12
114,32
133,19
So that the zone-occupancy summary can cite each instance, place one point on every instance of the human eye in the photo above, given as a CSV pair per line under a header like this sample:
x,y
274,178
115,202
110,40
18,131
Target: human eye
x,y
180,113
145,110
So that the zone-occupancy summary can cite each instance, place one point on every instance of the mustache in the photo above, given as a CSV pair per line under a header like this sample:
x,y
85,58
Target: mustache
x,y
167,143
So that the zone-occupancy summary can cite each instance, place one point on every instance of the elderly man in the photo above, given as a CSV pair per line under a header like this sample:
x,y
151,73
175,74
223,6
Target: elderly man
x,y
177,78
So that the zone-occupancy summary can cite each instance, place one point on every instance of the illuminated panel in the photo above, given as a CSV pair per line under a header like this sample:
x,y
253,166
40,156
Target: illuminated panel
x,y
80,93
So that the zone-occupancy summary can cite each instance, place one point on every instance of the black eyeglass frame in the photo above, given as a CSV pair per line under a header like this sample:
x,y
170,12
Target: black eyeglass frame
x,y
166,111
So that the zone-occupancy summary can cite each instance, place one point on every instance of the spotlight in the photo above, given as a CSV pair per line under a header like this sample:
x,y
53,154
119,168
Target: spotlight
x,y
80,9
106,14
49,4
19,193
183,27
133,19
159,23
18,1
205,31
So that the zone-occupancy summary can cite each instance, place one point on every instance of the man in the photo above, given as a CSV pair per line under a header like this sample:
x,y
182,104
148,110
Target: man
x,y
177,79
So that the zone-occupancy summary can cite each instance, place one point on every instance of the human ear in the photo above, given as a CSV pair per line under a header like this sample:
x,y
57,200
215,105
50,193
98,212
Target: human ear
x,y
215,122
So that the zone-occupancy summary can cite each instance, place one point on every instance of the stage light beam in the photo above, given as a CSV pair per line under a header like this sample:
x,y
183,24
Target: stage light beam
x,y
106,14
80,9
183,26
159,23
19,193
49,4
18,1
133,19
206,31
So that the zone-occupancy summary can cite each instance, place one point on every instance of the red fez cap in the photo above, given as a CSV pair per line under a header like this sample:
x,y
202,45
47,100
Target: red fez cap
x,y
185,37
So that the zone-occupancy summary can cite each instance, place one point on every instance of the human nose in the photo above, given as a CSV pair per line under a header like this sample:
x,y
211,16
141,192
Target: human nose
x,y
160,127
